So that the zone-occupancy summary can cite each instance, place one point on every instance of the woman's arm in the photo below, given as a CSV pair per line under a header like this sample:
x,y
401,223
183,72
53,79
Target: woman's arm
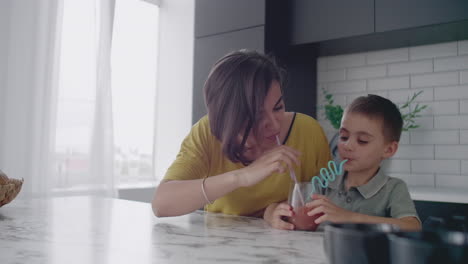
x,y
178,197
173,198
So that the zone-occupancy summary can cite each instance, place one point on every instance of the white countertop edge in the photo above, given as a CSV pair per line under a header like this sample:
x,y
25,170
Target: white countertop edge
x,y
438,195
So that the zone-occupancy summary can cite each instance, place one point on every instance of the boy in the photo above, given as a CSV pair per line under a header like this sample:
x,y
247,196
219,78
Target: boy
x,y
369,133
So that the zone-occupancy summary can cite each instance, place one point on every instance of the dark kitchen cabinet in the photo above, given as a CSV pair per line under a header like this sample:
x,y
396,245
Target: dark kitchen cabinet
x,y
209,49
218,16
319,20
222,26
404,14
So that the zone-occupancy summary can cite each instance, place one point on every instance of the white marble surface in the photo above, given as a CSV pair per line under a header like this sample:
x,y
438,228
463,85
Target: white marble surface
x,y
98,230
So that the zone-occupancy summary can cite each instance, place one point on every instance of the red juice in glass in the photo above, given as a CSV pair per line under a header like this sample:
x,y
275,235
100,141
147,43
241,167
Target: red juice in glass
x,y
300,219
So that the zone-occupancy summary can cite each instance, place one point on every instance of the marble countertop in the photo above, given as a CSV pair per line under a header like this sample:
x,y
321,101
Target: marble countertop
x,y
446,195
100,230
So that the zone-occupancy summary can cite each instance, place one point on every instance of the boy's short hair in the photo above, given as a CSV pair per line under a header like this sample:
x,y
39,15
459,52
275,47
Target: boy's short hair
x,y
374,106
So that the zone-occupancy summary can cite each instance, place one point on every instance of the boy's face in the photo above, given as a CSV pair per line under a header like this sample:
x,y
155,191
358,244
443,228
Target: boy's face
x,y
363,144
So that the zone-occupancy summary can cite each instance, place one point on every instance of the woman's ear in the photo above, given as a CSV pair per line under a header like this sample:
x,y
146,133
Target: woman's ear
x,y
390,149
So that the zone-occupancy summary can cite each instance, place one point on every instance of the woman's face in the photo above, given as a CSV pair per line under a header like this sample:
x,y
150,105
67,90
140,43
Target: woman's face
x,y
269,123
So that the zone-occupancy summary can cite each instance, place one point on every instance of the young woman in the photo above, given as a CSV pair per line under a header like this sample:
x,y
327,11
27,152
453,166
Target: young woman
x,y
231,161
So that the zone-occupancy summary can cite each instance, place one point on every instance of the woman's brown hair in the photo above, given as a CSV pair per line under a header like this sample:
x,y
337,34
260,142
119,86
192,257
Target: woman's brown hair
x,y
235,91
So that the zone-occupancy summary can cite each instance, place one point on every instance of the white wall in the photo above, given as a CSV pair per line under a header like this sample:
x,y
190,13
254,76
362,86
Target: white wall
x,y
436,154
174,96
20,27
174,91
4,39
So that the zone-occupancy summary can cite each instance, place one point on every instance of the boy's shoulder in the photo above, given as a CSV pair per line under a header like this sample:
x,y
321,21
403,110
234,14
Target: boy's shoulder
x,y
384,185
396,185
395,180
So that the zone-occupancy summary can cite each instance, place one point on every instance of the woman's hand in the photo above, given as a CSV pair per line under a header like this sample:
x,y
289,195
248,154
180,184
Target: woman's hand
x,y
274,213
278,160
331,212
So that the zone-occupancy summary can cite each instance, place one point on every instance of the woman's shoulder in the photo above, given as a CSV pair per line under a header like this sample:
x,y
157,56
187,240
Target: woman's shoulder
x,y
203,122
202,125
306,121
201,130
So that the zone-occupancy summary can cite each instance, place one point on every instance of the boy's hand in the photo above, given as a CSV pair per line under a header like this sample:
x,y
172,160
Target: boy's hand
x,y
331,212
274,213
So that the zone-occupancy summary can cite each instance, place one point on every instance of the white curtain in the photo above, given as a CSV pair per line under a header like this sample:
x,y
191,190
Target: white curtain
x,y
102,147
29,99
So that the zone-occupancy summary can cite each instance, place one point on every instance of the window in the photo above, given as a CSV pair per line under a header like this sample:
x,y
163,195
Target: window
x,y
133,68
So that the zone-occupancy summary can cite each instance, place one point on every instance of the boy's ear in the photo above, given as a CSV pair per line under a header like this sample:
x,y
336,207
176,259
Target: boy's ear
x,y
390,149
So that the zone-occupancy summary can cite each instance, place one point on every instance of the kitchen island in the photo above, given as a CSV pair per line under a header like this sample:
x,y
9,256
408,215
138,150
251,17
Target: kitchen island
x,y
104,230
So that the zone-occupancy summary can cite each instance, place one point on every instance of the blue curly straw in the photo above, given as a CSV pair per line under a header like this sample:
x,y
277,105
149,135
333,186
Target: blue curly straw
x,y
327,175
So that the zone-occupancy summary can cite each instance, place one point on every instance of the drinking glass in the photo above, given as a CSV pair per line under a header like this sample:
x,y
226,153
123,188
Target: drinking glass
x,y
300,193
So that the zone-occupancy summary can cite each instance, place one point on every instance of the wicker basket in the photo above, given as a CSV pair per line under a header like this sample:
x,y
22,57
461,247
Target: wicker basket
x,y
9,188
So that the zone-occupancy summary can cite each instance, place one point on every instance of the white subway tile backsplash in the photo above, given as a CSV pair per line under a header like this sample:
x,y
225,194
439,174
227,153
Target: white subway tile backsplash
x,y
415,152
338,99
464,168
402,96
434,137
436,154
463,77
451,122
451,92
463,106
347,86
412,67
322,64
346,61
396,166
402,176
463,136
420,180
331,76
320,112
441,108
351,97
330,135
388,56
451,152
434,79
462,47
389,83
450,64
325,124
435,166
452,181
404,138
366,72
424,122
433,51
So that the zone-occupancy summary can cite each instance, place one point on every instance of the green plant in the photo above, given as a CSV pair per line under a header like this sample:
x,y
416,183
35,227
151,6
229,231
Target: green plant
x,y
411,114
334,112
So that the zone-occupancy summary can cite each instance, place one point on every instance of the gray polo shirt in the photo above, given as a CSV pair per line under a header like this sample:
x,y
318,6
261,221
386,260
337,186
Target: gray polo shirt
x,y
381,196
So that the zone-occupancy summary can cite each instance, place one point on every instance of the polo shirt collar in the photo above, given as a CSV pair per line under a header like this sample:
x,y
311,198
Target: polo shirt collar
x,y
374,185
367,190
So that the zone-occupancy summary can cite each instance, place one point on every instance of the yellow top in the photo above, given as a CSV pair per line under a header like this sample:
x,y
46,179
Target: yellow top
x,y
201,156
